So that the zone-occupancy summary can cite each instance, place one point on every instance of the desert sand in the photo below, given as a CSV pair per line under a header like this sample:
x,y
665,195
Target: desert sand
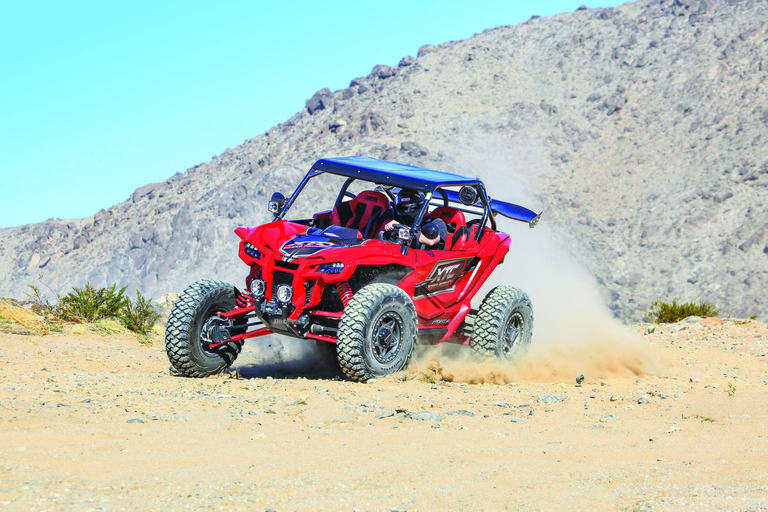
x,y
674,420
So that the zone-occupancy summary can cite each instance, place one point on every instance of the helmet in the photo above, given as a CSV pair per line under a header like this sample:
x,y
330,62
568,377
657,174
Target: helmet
x,y
408,202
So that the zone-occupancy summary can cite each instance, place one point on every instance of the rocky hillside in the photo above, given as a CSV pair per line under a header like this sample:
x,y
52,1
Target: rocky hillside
x,y
642,131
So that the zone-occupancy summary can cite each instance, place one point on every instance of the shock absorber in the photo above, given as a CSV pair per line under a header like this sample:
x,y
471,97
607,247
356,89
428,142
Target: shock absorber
x,y
345,292
244,299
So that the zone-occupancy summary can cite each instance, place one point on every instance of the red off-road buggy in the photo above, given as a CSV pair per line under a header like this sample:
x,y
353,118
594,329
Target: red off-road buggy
x,y
340,278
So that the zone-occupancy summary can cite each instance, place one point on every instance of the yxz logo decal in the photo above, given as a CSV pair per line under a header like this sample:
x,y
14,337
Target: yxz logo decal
x,y
290,246
442,279
293,249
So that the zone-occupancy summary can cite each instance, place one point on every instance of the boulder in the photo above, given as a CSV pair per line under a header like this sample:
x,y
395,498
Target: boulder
x,y
140,192
80,242
413,149
337,125
135,242
426,49
371,121
321,100
382,71
615,103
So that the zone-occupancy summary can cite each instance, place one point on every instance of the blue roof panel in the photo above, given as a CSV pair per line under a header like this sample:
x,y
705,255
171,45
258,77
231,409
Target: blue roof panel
x,y
392,173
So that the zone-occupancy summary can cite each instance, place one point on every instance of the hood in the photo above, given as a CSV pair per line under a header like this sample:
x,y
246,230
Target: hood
x,y
315,240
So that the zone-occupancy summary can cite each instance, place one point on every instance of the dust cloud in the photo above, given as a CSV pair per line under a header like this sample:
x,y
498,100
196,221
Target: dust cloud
x,y
574,333
453,363
285,357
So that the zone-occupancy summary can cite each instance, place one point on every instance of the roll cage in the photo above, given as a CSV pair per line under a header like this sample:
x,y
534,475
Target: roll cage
x,y
392,175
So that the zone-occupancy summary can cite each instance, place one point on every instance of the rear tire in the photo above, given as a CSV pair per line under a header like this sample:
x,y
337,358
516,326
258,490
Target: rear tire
x,y
504,325
377,332
191,327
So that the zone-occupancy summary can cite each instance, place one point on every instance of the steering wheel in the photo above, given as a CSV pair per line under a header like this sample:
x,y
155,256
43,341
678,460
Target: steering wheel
x,y
391,236
349,194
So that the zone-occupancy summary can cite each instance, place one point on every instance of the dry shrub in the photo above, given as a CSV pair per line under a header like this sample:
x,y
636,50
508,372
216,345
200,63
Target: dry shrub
x,y
24,317
88,304
668,313
97,307
139,316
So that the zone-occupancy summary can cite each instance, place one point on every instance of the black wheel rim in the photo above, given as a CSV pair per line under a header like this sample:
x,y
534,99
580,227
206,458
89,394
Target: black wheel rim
x,y
513,335
213,335
387,337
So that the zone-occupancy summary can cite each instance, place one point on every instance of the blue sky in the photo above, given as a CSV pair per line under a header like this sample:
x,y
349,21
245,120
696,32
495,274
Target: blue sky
x,y
99,98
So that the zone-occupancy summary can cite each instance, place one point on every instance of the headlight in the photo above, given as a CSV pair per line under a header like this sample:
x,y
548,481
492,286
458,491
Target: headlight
x,y
330,268
257,287
284,293
250,250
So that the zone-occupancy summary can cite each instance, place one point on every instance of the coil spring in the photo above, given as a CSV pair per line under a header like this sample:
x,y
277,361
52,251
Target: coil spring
x,y
244,299
345,292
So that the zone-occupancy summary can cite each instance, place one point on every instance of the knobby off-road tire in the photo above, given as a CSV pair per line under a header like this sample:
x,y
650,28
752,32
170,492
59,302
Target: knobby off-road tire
x,y
190,323
504,325
377,332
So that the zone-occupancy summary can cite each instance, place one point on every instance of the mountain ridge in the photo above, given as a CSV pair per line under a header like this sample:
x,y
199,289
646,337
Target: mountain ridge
x,y
640,130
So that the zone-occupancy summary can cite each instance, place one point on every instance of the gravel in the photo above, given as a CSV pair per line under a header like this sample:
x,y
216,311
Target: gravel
x,y
385,413
551,399
426,416
460,412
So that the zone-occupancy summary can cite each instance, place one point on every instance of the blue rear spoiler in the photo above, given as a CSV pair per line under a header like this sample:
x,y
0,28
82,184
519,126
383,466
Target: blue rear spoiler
x,y
508,210
515,212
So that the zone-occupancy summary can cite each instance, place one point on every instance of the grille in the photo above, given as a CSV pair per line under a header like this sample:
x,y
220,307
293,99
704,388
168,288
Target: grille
x,y
309,287
286,264
279,278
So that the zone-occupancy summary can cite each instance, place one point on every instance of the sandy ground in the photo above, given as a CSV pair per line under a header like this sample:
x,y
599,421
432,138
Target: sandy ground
x,y
95,422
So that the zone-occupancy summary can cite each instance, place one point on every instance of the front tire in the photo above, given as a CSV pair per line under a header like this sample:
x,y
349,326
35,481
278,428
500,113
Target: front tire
x,y
194,330
504,325
377,332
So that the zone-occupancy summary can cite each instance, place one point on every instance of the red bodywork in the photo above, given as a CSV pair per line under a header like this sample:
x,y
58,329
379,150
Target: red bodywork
x,y
442,283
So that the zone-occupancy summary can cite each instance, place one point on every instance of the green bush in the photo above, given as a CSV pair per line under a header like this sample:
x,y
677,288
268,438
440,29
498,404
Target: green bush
x,y
665,313
89,304
139,316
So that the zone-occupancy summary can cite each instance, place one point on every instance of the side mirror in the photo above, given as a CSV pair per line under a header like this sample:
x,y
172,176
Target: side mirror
x,y
276,203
